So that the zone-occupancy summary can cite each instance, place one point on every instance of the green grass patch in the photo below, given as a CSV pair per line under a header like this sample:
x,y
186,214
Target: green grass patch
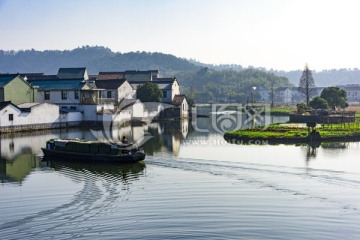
x,y
281,111
295,131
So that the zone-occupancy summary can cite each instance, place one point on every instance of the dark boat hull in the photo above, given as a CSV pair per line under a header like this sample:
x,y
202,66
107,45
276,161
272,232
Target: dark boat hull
x,y
89,157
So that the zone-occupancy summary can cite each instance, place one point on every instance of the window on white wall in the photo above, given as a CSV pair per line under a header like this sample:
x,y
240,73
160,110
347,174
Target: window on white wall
x,y
11,117
47,95
63,95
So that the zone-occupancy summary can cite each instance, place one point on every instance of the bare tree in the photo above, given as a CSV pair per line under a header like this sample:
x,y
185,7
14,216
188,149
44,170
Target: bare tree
x,y
307,84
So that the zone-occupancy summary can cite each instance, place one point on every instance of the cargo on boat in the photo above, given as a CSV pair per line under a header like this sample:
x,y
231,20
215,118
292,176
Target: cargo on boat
x,y
82,150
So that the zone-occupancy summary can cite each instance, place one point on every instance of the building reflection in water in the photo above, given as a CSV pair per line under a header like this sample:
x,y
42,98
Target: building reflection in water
x,y
21,153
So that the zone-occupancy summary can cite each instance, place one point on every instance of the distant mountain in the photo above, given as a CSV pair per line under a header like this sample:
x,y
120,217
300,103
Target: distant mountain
x,y
220,67
211,82
97,58
325,78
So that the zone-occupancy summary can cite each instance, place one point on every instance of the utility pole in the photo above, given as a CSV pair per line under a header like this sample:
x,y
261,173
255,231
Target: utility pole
x,y
272,93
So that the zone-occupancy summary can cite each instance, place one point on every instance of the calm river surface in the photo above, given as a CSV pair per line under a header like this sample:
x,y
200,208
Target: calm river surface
x,y
192,185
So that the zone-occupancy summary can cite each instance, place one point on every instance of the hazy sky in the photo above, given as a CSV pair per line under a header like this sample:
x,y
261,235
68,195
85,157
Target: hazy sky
x,y
278,34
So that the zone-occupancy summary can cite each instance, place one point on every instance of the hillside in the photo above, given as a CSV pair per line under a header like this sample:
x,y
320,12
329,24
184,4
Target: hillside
x,y
206,81
325,78
198,81
94,58
99,58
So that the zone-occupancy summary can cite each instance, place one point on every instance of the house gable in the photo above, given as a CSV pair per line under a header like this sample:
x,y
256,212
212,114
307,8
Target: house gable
x,y
73,73
179,99
16,89
9,112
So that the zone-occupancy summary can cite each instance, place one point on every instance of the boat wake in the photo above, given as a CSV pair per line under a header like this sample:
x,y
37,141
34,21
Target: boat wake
x,y
301,183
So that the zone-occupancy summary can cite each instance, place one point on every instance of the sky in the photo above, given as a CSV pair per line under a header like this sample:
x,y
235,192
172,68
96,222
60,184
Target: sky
x,y
274,34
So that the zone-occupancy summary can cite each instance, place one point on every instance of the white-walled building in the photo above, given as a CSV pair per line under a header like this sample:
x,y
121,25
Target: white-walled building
x,y
71,97
29,116
169,87
352,92
182,105
283,95
264,93
59,92
114,90
134,106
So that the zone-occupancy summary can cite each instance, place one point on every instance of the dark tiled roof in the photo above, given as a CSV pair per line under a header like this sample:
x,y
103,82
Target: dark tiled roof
x,y
138,75
130,75
58,84
71,73
178,99
4,104
6,78
93,77
110,75
109,84
164,79
40,77
31,75
163,83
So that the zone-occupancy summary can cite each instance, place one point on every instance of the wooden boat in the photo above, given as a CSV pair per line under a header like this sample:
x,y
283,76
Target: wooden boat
x,y
82,150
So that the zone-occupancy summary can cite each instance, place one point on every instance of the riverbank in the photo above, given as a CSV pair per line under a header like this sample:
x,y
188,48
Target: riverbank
x,y
281,111
291,133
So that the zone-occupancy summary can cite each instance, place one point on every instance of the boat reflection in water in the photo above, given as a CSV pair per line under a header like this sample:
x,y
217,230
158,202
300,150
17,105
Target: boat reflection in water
x,y
120,172
21,153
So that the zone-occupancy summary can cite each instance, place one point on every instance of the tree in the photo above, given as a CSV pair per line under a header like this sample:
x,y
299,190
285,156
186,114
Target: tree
x,y
149,92
319,103
307,84
335,97
301,108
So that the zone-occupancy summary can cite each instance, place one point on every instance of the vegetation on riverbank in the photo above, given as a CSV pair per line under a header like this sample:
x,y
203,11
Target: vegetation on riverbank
x,y
289,133
281,111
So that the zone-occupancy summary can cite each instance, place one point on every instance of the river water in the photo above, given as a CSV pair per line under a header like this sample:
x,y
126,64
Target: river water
x,y
192,185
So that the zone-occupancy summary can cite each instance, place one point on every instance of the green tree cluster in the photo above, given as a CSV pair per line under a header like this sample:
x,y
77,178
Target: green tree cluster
x,y
319,103
149,92
229,85
335,97
331,97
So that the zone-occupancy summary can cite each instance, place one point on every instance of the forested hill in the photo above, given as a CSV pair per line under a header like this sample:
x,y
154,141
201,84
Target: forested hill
x,y
212,82
95,59
325,78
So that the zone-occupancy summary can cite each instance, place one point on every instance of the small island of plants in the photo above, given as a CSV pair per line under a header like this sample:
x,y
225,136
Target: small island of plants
x,y
292,133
